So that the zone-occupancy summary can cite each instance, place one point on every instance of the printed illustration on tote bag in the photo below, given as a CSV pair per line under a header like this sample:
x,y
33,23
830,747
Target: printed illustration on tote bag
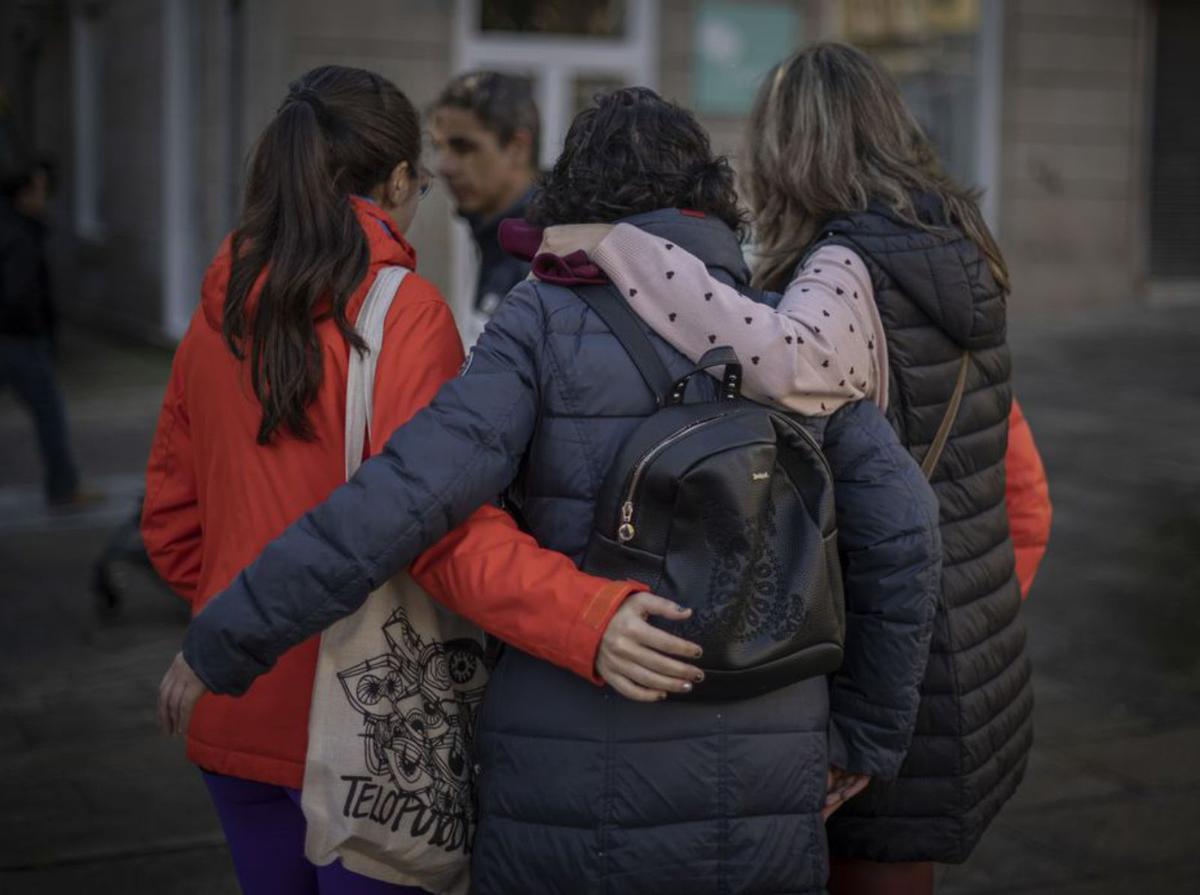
x,y
418,707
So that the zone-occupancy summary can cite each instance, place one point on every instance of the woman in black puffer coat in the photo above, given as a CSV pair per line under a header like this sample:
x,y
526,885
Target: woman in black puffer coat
x,y
838,159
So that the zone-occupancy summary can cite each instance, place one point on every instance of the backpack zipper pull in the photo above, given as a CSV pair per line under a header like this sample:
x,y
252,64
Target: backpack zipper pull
x,y
625,532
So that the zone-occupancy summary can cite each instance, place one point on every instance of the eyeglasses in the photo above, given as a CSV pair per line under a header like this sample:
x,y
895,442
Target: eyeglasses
x,y
424,182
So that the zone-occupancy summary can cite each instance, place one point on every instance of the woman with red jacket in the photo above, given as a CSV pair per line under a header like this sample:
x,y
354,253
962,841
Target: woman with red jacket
x,y
251,435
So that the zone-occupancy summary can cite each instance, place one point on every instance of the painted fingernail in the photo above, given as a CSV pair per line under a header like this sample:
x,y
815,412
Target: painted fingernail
x,y
699,652
687,688
698,678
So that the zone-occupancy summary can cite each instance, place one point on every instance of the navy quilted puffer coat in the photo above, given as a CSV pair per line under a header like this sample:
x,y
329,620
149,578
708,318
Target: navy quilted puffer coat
x,y
580,790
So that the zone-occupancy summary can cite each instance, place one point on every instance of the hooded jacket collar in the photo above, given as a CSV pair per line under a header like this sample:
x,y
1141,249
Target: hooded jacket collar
x,y
708,238
940,270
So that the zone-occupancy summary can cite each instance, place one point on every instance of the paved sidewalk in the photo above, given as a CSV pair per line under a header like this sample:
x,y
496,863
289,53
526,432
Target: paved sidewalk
x,y
1112,800
93,799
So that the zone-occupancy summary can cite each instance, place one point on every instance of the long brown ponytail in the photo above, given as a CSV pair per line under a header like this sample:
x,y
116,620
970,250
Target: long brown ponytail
x,y
339,132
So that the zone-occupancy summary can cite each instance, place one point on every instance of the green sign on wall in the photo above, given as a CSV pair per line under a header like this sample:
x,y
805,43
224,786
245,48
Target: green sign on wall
x,y
735,44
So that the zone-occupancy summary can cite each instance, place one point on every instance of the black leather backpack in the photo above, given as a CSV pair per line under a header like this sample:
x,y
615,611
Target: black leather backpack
x,y
727,508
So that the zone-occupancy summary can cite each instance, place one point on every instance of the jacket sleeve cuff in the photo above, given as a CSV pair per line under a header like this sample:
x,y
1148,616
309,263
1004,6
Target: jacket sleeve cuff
x,y
585,634
195,660
211,653
839,755
851,750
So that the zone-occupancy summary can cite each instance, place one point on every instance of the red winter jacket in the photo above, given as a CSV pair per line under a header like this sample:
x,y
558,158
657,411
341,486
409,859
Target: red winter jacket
x,y
215,498
1026,497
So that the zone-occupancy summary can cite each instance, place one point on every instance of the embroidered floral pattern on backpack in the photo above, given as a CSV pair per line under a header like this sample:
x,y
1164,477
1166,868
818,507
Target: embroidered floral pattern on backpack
x,y
744,602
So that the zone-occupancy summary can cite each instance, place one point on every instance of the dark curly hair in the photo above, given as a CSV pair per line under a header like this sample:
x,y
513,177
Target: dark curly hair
x,y
631,152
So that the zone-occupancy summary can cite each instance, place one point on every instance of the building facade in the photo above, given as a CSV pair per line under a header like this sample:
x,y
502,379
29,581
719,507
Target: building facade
x,y
1074,117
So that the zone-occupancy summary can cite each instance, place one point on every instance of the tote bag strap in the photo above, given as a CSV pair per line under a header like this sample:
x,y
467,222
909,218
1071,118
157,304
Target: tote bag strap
x,y
929,465
360,378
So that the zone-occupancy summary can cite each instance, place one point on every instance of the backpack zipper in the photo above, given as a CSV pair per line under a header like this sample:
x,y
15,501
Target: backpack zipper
x,y
626,530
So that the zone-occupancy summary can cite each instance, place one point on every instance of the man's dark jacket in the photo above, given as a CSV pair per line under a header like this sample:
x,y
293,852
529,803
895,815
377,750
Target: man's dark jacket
x,y
498,270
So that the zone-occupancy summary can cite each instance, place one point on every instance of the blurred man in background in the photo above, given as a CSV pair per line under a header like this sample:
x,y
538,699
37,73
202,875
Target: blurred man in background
x,y
485,130
27,323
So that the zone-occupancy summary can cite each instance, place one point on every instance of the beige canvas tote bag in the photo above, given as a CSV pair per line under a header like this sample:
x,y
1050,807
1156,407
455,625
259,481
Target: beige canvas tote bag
x,y
389,778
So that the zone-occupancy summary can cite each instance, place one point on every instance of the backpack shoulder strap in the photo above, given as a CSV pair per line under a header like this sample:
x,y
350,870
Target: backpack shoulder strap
x,y
934,454
625,325
360,377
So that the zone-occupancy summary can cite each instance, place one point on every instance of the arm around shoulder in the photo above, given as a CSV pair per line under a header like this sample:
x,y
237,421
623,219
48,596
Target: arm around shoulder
x,y
451,458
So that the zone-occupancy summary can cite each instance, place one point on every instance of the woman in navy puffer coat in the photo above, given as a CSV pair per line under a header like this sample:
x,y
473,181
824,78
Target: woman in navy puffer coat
x,y
581,790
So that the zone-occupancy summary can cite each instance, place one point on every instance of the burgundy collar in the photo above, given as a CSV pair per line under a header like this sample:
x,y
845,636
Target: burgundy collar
x,y
521,240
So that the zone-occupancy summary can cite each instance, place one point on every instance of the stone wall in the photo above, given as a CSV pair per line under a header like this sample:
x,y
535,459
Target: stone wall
x,y
1073,187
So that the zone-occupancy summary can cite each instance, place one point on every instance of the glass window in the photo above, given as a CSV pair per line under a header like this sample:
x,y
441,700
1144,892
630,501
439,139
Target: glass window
x,y
597,18
585,88
735,45
932,48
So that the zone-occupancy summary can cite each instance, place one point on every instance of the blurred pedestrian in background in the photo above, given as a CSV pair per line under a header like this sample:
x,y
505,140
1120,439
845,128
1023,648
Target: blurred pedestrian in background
x,y
28,324
486,129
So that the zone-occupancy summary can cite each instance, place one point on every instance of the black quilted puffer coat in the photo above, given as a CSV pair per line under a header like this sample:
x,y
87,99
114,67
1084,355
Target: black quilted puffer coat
x,y
937,298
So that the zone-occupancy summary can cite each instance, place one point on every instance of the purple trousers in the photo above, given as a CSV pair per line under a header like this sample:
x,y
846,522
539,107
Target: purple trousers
x,y
264,827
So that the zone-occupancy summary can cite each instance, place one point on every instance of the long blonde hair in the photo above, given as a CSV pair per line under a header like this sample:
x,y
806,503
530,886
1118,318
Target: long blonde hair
x,y
829,132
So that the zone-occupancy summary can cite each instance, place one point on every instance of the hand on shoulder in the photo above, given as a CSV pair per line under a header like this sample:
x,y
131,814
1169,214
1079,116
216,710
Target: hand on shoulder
x,y
564,239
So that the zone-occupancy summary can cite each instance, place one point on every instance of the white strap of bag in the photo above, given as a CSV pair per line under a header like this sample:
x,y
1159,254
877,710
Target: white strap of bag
x,y
360,378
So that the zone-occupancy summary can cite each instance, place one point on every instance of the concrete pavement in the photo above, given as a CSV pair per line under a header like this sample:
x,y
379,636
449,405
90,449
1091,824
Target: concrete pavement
x,y
92,798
